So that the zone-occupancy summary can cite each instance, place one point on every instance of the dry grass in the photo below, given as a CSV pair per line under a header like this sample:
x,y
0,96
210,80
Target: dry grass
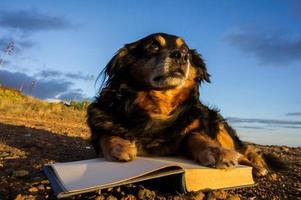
x,y
14,103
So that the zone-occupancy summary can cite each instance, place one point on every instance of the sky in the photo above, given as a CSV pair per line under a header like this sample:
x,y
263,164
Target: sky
x,y
56,49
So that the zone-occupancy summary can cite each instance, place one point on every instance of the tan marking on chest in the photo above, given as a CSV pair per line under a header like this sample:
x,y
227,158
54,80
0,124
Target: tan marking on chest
x,y
160,104
224,138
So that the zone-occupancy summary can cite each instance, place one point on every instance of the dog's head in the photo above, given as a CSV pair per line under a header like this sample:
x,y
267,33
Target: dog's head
x,y
158,62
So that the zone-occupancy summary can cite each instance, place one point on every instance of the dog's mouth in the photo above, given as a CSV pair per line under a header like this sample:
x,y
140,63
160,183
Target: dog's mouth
x,y
170,79
173,74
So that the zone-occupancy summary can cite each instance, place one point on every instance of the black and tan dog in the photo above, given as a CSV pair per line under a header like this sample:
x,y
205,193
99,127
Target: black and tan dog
x,y
150,106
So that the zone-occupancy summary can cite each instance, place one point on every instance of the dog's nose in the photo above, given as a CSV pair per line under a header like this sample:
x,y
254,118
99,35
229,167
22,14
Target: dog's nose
x,y
179,56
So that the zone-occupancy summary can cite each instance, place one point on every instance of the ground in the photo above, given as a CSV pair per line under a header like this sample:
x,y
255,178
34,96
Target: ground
x,y
30,138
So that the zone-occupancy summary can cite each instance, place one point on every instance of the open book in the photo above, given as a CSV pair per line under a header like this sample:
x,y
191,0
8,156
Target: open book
x,y
78,177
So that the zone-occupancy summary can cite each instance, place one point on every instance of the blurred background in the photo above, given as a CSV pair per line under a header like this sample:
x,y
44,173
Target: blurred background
x,y
54,50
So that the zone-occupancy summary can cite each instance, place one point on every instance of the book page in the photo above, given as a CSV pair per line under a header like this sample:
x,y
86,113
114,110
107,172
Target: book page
x,y
189,163
100,172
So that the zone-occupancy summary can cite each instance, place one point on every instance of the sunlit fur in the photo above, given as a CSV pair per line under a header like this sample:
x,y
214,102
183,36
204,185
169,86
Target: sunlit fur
x,y
150,106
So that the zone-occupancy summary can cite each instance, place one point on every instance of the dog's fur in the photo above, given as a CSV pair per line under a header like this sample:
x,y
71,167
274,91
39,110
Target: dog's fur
x,y
150,106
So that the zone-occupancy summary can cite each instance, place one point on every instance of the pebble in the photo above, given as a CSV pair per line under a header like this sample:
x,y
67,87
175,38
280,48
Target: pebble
x,y
285,149
217,194
11,157
111,197
33,189
118,189
129,197
45,182
146,194
4,154
274,177
20,173
100,197
177,197
41,187
195,195
198,196
233,197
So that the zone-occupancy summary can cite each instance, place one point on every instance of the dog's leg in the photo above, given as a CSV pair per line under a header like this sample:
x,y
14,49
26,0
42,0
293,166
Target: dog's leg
x,y
107,136
209,153
252,157
117,149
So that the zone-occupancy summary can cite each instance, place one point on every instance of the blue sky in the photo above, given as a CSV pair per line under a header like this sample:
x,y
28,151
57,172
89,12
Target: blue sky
x,y
252,50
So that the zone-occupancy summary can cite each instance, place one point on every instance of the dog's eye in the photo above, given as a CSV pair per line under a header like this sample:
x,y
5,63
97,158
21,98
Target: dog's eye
x,y
154,46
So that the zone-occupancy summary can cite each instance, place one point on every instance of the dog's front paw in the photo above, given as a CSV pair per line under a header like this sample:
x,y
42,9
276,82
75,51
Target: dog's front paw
x,y
227,158
118,149
218,157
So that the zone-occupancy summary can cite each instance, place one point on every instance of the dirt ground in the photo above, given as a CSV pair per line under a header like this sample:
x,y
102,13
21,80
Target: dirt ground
x,y
26,145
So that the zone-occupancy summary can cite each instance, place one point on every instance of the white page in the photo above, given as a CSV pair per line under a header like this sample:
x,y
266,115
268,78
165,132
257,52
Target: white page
x,y
95,172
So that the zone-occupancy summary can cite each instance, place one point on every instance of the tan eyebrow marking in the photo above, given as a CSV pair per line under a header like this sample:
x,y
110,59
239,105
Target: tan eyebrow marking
x,y
179,42
161,40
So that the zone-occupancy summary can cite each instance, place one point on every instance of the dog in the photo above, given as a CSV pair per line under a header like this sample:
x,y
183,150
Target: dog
x,y
149,106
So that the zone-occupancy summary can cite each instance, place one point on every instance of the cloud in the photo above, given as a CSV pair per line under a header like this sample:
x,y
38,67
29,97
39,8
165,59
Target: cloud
x,y
72,95
274,47
292,127
40,88
263,121
80,76
75,76
251,127
48,74
32,20
257,123
293,114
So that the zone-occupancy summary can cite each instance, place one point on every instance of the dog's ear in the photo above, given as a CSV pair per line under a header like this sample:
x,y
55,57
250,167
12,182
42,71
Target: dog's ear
x,y
116,63
199,63
120,60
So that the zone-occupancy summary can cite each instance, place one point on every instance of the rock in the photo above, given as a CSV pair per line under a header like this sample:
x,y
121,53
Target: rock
x,y
129,197
195,195
274,177
100,197
111,197
285,149
20,173
4,154
41,187
233,197
45,182
218,195
177,197
146,194
33,189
